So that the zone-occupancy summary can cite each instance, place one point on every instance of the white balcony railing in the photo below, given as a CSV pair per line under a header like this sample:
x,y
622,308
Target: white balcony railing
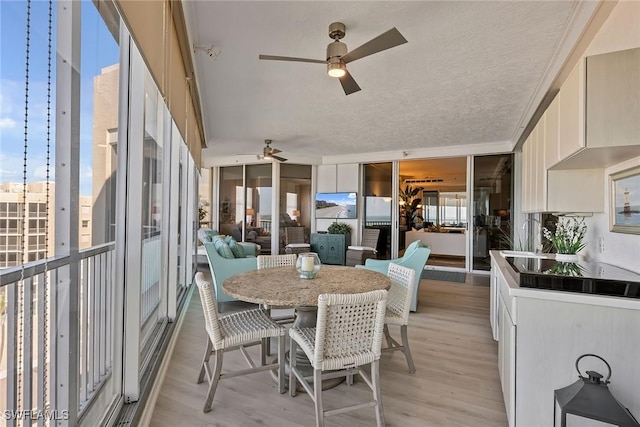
x,y
29,334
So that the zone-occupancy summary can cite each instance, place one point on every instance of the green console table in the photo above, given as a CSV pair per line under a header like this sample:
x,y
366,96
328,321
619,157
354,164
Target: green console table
x,y
331,248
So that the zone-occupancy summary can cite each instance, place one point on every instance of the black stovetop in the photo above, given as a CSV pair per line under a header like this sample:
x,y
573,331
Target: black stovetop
x,y
583,277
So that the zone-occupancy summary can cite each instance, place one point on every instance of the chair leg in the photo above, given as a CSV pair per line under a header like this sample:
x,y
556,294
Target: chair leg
x,y
281,363
263,351
407,350
205,360
215,378
317,391
292,367
268,310
387,336
377,394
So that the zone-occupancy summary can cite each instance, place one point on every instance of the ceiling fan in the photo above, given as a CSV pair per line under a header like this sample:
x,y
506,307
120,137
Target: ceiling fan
x,y
269,153
338,58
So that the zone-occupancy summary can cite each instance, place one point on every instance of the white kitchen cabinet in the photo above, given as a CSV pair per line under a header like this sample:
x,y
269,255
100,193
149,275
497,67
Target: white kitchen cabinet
x,y
534,178
571,112
494,294
598,112
551,133
541,334
613,110
547,189
507,360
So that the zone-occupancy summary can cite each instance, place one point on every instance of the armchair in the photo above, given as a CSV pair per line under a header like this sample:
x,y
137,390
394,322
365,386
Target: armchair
x,y
356,255
415,257
294,239
223,268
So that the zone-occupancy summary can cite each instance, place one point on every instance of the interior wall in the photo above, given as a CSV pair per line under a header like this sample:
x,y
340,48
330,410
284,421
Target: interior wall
x,y
621,31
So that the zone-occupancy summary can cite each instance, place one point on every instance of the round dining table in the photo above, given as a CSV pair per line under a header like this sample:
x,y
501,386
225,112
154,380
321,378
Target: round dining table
x,y
283,286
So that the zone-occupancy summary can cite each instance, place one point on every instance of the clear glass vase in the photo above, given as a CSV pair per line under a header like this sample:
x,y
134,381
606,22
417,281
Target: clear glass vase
x,y
308,265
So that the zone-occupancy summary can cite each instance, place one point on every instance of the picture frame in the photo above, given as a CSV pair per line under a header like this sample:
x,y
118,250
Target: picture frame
x,y
625,201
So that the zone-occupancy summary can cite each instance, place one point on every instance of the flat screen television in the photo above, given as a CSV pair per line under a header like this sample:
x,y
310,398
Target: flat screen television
x,y
336,205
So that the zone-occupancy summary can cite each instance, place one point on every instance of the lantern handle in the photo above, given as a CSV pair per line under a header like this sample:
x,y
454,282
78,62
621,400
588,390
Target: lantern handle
x,y
606,381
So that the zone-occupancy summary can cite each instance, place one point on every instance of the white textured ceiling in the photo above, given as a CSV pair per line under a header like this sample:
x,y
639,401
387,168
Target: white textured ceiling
x,y
471,73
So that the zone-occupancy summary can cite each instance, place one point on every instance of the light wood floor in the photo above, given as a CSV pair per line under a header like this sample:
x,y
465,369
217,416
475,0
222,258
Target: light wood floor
x,y
456,383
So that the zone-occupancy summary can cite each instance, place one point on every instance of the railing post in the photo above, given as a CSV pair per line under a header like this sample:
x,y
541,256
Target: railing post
x,y
65,362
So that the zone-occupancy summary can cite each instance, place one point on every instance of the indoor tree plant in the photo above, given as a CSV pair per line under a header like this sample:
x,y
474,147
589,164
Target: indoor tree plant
x,y
409,205
568,238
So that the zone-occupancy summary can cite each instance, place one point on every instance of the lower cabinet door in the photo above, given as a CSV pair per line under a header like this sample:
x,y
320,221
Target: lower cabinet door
x,y
507,361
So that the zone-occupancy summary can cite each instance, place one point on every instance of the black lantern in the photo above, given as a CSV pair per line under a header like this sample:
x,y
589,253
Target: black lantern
x,y
589,397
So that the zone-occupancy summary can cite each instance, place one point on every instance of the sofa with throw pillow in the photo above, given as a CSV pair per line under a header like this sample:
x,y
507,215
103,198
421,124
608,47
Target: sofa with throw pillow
x,y
228,257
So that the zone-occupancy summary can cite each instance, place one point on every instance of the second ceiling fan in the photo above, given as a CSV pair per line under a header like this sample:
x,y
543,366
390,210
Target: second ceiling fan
x,y
338,57
270,153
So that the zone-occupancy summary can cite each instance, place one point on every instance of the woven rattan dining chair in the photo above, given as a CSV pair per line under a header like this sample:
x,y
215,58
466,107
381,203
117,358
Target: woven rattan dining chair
x,y
347,335
357,255
236,331
398,305
294,241
272,261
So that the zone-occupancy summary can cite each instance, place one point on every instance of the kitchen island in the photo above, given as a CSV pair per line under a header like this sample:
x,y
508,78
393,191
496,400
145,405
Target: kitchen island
x,y
541,333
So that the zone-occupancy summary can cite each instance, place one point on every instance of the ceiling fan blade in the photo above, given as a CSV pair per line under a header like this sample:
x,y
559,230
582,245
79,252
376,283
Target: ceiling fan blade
x,y
289,58
384,41
349,84
280,159
275,150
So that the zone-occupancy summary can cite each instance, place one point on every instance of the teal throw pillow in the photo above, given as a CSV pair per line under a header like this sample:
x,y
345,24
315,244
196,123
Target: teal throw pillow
x,y
237,249
223,249
210,233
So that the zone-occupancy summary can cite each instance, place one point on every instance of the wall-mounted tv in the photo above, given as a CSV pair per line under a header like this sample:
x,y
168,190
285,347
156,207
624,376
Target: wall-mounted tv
x,y
336,205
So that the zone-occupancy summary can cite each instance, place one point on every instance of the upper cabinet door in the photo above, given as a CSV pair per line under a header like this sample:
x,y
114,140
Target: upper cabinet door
x,y
613,107
551,131
571,112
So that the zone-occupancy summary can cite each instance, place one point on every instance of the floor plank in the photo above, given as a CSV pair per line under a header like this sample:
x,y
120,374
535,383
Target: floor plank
x,y
456,382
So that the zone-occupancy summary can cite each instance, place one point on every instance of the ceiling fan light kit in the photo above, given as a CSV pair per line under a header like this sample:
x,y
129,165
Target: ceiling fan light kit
x,y
338,56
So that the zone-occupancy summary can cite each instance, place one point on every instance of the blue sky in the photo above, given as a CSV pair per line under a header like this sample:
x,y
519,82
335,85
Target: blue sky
x,y
98,49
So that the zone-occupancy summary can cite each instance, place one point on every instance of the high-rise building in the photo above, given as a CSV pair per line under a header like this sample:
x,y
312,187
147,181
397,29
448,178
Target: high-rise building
x,y
27,234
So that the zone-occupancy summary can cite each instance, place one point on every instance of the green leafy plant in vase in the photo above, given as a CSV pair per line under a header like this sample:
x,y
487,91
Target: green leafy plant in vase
x,y
339,228
568,238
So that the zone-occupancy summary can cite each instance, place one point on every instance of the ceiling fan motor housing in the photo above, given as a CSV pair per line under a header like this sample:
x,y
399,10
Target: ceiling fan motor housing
x,y
336,50
337,30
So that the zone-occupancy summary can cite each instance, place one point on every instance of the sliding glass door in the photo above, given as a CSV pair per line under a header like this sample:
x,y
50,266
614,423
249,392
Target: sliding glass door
x,y
378,203
492,207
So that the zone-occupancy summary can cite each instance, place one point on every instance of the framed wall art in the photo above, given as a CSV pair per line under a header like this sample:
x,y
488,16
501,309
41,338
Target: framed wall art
x,y
625,201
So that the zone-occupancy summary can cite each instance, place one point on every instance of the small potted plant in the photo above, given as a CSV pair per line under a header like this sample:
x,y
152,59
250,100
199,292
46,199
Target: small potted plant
x,y
339,228
568,239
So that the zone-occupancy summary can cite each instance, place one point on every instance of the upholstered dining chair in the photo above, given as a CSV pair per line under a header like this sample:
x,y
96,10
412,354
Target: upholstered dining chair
x,y
294,240
359,254
398,305
347,335
235,331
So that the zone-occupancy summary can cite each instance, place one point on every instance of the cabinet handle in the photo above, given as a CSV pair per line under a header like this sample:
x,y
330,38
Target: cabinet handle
x,y
321,247
332,248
